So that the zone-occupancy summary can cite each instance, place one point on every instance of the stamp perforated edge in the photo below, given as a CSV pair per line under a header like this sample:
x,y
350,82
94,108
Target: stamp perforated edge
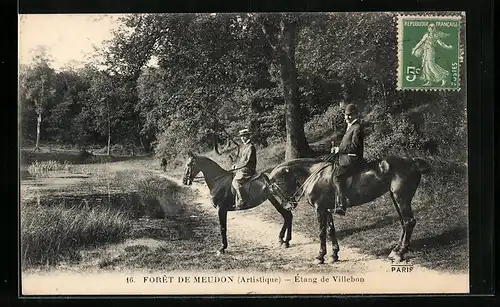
x,y
427,15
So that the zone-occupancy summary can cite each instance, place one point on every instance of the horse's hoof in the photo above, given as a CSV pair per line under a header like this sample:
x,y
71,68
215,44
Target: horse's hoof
x,y
220,252
335,258
392,255
397,258
286,244
319,261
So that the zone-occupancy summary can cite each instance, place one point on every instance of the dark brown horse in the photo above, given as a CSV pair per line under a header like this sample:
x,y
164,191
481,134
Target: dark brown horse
x,y
218,180
313,179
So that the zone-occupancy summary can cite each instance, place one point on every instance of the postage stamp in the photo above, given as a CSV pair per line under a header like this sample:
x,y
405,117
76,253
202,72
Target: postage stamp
x,y
429,52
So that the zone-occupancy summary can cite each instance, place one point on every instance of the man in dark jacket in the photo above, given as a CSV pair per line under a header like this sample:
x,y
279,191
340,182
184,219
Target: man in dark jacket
x,y
245,169
350,155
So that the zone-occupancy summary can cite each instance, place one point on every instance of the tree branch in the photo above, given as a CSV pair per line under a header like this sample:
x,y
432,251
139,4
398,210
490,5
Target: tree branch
x,y
282,29
266,35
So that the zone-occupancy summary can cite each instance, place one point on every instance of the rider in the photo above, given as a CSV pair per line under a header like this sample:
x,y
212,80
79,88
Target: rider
x,y
350,154
245,168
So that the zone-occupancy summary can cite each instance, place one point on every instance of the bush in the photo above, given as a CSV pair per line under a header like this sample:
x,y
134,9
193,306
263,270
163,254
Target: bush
x,y
160,197
53,233
119,150
325,124
394,135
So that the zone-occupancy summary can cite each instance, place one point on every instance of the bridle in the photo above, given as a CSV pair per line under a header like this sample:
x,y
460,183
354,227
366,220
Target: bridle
x,y
189,171
187,175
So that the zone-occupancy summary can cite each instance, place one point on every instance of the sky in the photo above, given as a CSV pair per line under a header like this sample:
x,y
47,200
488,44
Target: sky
x,y
68,37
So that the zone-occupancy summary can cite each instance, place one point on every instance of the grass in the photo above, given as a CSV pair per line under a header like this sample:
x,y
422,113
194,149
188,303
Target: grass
x,y
54,233
42,168
28,156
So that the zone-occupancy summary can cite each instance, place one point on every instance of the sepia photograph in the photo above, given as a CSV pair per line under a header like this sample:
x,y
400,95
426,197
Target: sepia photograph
x,y
243,153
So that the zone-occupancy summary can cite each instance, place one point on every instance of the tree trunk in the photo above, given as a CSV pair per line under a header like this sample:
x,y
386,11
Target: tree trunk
x,y
109,140
215,141
142,144
109,130
38,124
296,142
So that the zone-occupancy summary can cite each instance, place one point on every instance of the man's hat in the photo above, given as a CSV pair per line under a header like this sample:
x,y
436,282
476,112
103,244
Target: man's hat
x,y
244,132
351,109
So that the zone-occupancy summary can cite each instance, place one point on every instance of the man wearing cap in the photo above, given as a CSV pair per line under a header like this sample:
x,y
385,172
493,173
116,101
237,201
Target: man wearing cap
x,y
350,154
245,168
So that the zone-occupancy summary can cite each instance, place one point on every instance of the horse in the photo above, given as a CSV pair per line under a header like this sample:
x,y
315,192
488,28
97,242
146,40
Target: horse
x,y
219,182
313,178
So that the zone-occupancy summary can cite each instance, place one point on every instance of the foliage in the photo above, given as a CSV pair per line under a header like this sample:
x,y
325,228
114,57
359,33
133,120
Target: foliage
x,y
217,73
36,83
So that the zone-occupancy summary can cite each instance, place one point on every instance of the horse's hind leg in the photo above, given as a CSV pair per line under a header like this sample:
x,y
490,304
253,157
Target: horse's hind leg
x,y
408,223
321,215
287,223
333,237
397,247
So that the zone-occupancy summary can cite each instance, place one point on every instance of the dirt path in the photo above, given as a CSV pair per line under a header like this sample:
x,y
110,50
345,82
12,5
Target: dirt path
x,y
247,232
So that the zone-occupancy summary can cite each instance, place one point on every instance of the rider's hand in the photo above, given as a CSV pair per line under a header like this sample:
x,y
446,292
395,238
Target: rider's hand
x,y
234,166
335,149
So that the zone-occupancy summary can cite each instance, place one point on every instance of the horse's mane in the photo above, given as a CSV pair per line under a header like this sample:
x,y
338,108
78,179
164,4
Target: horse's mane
x,y
300,161
295,164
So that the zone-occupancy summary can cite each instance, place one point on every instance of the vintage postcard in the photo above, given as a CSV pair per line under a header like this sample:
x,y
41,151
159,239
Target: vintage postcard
x,y
243,153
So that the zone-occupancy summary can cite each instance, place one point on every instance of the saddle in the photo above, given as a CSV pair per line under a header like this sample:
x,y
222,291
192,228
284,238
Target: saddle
x,y
354,174
248,182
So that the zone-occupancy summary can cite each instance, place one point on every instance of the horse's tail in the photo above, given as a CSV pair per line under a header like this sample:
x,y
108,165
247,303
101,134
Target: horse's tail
x,y
422,166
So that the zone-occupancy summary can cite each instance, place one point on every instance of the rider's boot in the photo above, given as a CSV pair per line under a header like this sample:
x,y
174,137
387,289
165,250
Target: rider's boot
x,y
341,205
240,200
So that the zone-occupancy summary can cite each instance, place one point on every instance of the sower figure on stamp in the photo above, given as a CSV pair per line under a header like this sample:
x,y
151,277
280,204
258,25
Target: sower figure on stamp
x,y
349,155
245,169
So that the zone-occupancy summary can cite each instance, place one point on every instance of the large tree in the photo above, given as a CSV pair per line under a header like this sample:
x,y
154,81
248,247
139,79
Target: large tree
x,y
37,86
281,33
204,59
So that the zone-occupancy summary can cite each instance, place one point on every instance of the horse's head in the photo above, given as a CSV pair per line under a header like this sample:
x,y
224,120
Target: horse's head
x,y
286,179
291,175
191,169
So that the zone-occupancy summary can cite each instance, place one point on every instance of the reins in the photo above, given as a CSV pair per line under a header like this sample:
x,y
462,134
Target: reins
x,y
301,189
307,181
217,177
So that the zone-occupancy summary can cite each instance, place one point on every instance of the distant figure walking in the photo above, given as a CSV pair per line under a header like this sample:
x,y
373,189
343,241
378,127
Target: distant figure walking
x,y
164,164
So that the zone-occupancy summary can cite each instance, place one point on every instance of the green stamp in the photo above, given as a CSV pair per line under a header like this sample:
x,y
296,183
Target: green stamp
x,y
429,52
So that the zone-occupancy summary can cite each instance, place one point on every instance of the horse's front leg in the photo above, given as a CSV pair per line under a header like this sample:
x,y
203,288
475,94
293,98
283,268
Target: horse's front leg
x,y
321,214
223,228
287,223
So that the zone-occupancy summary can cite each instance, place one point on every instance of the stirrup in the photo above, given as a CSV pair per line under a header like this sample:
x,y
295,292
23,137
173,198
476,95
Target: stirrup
x,y
290,205
338,210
